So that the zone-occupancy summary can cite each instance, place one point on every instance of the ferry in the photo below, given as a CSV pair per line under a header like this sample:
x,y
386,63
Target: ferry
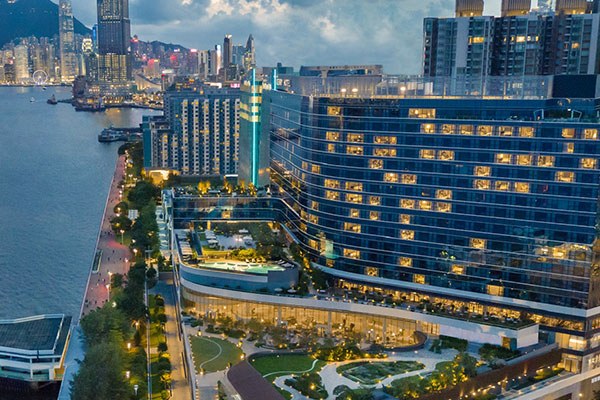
x,y
110,135
52,100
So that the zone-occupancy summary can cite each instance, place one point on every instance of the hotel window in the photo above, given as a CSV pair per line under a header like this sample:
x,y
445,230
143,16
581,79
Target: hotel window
x,y
445,155
354,186
332,184
334,110
545,161
482,184
478,243
331,195
353,198
409,178
405,261
374,215
314,205
421,113
334,136
590,133
371,271
406,234
375,200
425,205
522,187
419,279
502,186
407,203
314,244
495,290
354,213
476,39
484,130
385,140
316,169
481,171
428,128
355,137
444,207
313,219
384,152
526,131
351,253
569,147
524,159
427,154
304,165
405,219
354,150
448,129
331,148
466,129
588,163
350,227
568,133
390,177
505,130
457,269
376,164
503,158
443,194
564,176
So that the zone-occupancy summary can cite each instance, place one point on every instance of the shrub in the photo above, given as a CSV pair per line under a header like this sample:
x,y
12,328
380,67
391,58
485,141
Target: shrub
x,y
489,352
162,347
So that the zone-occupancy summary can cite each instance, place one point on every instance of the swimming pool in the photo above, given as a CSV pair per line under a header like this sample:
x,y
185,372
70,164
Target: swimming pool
x,y
239,266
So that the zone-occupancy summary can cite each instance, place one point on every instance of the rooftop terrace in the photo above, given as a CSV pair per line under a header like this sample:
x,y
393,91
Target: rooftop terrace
x,y
37,333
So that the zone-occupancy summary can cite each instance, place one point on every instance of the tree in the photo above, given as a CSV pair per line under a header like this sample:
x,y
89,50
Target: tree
x,y
121,208
151,273
143,193
162,347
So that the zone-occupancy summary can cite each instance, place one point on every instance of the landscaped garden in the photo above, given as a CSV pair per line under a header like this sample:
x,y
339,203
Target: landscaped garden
x,y
370,373
212,354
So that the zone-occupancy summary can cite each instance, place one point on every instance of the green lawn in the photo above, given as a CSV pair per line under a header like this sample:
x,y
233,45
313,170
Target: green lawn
x,y
205,349
369,373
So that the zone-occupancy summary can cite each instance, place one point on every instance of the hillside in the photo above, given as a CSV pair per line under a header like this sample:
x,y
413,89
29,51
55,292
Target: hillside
x,y
22,18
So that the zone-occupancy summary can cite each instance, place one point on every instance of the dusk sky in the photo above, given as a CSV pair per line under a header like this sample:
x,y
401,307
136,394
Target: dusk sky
x,y
295,32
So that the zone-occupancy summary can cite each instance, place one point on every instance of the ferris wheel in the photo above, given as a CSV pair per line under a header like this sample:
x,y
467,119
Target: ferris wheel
x,y
40,77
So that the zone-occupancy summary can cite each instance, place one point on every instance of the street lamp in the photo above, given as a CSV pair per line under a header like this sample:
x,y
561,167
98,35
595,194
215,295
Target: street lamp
x,y
122,231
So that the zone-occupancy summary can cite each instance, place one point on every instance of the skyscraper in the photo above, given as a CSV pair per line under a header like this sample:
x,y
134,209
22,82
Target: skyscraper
x,y
249,57
68,58
469,8
114,41
21,64
511,8
227,51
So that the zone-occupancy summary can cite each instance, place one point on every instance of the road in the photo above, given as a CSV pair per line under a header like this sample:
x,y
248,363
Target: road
x,y
179,383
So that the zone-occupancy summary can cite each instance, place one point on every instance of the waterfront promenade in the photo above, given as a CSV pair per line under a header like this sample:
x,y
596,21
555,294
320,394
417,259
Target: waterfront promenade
x,y
115,256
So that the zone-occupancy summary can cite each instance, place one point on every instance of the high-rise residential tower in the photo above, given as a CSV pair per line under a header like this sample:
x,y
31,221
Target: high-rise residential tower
x,y
68,57
114,38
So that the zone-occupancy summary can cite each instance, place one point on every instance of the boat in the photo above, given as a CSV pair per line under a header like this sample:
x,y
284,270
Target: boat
x,y
110,135
31,100
52,100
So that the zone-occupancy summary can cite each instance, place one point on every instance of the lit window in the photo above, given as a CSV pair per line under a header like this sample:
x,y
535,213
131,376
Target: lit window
x,y
384,152
353,198
314,244
522,187
407,203
409,178
421,113
569,147
351,253
484,130
391,177
481,171
520,39
331,148
588,163
457,269
405,261
448,129
419,279
354,186
476,39
466,129
526,131
478,243
503,158
304,165
376,164
444,207
354,213
428,128
425,205
524,159
445,155
335,136
568,133
334,110
314,205
350,227
375,200
355,137
443,194
332,184
374,215
331,195
505,130
495,290
482,184
384,140
330,262
503,186
405,219
354,150
313,219
405,234
371,271
590,133
428,154
545,161
564,176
